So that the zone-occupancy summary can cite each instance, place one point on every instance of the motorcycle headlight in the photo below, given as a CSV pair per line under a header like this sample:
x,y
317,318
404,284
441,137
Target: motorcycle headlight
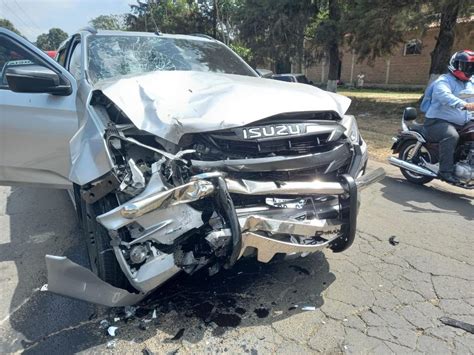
x,y
352,130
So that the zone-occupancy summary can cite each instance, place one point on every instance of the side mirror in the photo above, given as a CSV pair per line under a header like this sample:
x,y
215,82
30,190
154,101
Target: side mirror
x,y
36,79
264,73
410,114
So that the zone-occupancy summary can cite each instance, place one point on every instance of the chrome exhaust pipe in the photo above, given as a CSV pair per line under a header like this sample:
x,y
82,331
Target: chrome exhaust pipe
x,y
411,167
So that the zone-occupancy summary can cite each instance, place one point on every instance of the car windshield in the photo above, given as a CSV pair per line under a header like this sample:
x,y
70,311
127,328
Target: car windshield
x,y
112,56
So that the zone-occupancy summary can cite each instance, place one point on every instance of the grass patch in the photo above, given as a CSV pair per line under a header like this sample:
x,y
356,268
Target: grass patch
x,y
379,115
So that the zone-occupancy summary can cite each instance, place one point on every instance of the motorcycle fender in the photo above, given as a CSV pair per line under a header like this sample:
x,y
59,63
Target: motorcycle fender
x,y
398,142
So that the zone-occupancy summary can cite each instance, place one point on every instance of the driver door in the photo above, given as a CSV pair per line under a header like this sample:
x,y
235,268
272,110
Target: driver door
x,y
35,128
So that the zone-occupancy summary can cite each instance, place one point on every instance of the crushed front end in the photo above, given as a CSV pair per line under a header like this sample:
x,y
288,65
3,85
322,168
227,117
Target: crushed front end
x,y
286,185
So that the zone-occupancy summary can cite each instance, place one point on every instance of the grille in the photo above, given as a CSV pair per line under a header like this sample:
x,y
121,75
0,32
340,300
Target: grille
x,y
282,146
295,175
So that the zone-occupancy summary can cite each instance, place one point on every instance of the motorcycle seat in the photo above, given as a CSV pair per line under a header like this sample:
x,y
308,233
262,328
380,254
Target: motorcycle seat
x,y
419,128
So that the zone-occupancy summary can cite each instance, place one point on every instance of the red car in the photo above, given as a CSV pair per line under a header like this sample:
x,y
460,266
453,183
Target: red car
x,y
52,54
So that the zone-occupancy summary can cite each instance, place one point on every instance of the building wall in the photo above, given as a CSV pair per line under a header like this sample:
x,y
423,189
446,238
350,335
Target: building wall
x,y
398,69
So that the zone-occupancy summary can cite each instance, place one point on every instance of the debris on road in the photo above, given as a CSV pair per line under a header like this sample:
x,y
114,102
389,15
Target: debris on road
x,y
112,330
393,240
130,311
178,336
147,351
104,324
262,312
143,325
111,344
457,324
308,308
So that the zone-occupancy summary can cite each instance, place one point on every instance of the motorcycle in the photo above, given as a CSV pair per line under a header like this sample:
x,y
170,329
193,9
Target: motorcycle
x,y
418,159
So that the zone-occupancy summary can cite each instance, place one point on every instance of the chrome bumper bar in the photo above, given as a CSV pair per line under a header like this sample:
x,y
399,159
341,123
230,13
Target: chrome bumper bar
x,y
268,188
198,189
268,247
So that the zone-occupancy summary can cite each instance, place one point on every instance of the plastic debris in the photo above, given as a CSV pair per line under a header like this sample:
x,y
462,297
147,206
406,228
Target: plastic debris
x,y
393,240
116,319
44,288
130,311
178,335
104,324
457,324
112,330
308,308
111,344
143,325
154,316
147,351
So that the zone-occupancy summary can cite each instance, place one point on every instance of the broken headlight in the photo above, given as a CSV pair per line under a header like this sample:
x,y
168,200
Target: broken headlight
x,y
352,130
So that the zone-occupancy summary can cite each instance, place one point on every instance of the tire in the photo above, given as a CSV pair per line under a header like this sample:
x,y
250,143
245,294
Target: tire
x,y
404,155
101,255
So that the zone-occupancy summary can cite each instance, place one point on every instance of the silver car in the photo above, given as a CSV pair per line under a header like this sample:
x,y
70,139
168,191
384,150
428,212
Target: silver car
x,y
178,155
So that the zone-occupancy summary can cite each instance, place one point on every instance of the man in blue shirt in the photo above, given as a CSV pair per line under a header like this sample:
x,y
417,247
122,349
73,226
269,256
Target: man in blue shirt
x,y
451,102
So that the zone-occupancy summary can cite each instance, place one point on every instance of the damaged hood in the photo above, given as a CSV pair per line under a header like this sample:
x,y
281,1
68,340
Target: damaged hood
x,y
172,103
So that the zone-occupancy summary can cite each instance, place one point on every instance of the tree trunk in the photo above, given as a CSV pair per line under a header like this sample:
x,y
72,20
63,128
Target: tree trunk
x,y
444,43
214,19
333,47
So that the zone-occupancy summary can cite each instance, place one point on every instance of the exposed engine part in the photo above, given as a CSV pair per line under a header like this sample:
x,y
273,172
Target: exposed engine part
x,y
100,188
138,254
465,172
137,178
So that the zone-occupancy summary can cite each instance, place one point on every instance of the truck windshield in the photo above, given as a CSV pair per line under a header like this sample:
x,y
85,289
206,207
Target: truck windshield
x,y
112,56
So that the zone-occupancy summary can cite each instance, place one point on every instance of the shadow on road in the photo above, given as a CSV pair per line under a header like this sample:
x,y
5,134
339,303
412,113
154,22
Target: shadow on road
x,y
252,293
411,196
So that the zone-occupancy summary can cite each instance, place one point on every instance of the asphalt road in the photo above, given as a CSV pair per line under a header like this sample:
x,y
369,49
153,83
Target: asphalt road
x,y
374,298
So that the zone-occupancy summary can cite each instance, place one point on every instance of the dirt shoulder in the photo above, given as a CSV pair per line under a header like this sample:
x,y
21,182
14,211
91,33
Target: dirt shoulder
x,y
378,114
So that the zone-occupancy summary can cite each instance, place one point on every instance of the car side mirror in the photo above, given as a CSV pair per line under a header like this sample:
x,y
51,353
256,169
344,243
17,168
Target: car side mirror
x,y
36,79
264,73
410,114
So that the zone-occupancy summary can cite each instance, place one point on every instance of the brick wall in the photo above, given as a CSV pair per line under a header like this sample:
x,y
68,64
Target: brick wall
x,y
398,69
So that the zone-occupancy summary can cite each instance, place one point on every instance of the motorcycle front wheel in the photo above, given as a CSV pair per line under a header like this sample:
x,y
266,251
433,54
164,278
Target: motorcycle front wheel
x,y
406,154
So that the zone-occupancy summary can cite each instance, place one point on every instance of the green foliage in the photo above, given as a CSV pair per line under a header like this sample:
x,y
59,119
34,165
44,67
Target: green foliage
x,y
51,40
274,29
8,25
242,51
168,16
108,22
376,27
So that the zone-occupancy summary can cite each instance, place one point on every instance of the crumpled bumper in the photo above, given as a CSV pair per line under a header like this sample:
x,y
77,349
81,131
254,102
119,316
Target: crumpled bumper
x,y
69,279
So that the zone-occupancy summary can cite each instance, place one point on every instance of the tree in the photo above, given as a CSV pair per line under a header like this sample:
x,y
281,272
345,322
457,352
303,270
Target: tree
x,y
449,12
275,30
52,39
8,25
325,36
170,16
108,22
376,27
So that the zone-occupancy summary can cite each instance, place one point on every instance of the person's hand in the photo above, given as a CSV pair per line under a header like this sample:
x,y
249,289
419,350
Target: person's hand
x,y
469,106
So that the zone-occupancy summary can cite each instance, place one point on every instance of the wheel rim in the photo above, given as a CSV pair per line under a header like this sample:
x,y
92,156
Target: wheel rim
x,y
409,157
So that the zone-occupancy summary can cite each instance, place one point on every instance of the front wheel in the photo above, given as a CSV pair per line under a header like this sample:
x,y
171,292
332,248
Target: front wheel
x,y
101,255
406,154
